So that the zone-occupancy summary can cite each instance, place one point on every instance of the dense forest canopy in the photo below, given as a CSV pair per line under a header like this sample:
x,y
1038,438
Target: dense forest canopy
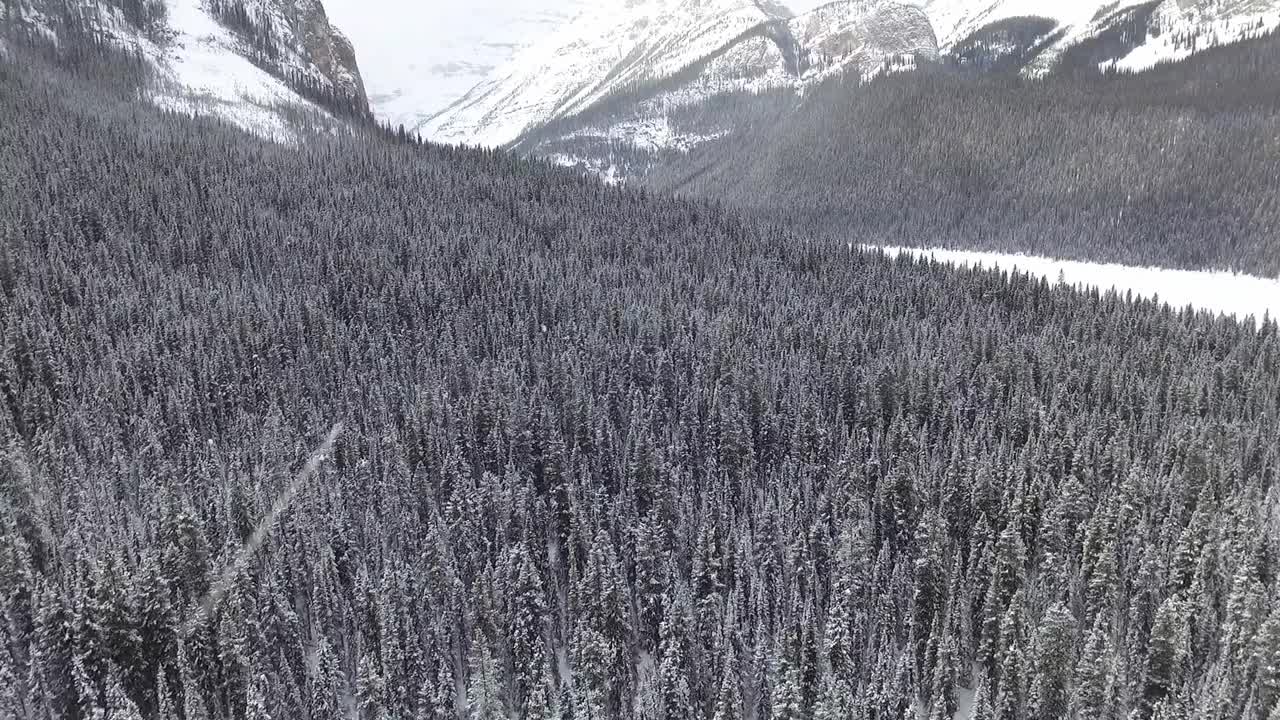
x,y
602,454
1176,167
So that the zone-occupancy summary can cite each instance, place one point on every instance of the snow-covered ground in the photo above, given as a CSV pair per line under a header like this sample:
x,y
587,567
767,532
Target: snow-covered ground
x,y
955,20
201,73
1228,293
1209,31
199,70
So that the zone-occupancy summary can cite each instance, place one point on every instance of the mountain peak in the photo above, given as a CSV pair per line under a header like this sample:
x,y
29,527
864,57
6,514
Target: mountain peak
x,y
603,51
634,45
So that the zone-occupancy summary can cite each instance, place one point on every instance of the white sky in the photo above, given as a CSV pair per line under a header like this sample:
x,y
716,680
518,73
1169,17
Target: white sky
x,y
417,56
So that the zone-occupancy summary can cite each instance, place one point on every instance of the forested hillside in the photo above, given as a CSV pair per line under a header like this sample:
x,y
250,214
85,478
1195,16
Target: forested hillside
x,y
1177,167
558,450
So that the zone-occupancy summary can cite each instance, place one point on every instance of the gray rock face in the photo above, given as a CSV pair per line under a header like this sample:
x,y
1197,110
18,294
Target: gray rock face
x,y
307,32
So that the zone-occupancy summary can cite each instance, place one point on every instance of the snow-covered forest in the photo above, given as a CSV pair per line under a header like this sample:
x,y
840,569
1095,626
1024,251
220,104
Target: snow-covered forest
x,y
601,454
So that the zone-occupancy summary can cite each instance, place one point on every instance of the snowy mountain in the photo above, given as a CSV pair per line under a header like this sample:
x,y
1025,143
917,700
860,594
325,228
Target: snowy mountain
x,y
956,20
1178,28
606,49
665,52
417,58
245,61
1044,35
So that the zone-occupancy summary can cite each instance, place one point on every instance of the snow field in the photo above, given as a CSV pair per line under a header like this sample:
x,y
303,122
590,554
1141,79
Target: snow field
x,y
1232,294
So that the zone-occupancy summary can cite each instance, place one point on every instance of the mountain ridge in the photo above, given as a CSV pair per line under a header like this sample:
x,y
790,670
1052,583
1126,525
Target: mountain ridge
x,y
518,104
775,48
598,53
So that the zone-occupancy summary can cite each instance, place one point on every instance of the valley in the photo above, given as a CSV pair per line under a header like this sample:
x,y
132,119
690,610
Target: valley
x,y
636,384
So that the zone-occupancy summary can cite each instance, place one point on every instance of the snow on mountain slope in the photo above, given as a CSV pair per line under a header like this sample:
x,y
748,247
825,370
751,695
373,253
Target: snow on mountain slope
x,y
241,60
202,71
854,38
1180,28
669,53
955,20
833,37
418,57
1141,32
618,44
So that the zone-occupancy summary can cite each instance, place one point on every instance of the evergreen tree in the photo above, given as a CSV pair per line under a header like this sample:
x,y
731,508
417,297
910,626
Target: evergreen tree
x,y
526,635
1051,668
324,682
371,689
787,700
256,699
1266,659
983,705
1165,654
1092,675
118,704
729,699
484,700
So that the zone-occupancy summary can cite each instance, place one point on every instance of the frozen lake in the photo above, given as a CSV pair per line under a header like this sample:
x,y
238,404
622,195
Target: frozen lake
x,y
1228,293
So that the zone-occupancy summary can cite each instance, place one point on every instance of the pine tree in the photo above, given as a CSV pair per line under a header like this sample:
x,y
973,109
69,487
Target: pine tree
x,y
729,700
484,701
11,705
90,707
323,682
119,706
929,581
989,629
1011,697
528,646
565,705
371,689
942,694
185,558
435,694
1266,660
1166,651
1099,562
1051,669
787,700
1091,699
600,639
1245,612
835,700
38,696
983,707
1010,704
256,698
673,668
838,637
